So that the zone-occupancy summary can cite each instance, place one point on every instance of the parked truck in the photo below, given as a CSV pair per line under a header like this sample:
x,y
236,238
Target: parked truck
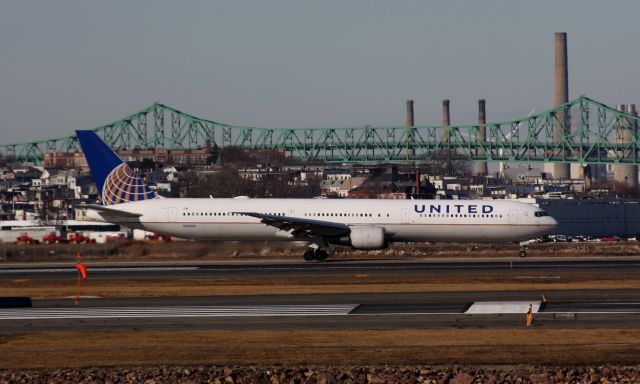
x,y
78,238
26,239
53,238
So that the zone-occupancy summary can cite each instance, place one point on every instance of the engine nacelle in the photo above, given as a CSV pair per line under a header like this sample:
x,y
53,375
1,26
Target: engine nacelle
x,y
366,237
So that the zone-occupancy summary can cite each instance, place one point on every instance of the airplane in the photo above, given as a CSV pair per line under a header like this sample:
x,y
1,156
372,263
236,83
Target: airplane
x,y
366,224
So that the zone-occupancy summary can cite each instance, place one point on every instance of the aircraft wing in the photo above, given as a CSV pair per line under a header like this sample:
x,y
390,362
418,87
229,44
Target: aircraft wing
x,y
300,227
109,210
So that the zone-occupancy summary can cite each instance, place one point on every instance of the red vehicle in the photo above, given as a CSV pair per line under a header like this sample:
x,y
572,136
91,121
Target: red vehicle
x,y
26,239
52,238
610,238
78,238
158,237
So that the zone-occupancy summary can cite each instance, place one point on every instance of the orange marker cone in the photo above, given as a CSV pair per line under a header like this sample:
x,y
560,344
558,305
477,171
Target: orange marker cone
x,y
82,275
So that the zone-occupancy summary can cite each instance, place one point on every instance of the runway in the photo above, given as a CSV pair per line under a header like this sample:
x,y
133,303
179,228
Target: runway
x,y
164,270
566,309
364,310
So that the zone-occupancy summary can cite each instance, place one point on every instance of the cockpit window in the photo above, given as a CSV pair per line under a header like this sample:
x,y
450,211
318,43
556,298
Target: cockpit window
x,y
541,213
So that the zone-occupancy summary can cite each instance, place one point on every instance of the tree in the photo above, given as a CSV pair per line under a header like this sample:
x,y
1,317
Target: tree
x,y
228,183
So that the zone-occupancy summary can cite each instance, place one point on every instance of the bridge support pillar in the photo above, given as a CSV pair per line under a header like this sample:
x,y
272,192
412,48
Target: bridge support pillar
x,y
624,132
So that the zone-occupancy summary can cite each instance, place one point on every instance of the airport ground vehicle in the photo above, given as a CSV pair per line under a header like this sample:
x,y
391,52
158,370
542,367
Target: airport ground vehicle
x,y
26,239
52,238
78,238
158,237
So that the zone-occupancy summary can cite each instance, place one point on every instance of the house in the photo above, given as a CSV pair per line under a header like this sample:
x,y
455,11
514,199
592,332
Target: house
x,y
350,184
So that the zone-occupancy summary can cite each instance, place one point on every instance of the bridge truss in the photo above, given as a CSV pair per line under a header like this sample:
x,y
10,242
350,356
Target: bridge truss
x,y
595,134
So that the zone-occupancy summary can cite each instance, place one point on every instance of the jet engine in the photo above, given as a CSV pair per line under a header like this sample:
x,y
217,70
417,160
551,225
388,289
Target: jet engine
x,y
366,237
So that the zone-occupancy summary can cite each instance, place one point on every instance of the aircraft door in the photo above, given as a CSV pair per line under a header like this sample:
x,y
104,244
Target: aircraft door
x,y
172,214
405,216
513,216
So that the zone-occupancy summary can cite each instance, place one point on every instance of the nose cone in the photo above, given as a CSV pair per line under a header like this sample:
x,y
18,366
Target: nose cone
x,y
553,222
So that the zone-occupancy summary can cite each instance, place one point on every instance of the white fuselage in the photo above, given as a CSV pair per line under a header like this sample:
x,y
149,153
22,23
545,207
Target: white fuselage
x,y
402,220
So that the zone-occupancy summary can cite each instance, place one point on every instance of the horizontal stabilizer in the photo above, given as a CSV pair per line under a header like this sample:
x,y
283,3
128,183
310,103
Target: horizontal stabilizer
x,y
110,211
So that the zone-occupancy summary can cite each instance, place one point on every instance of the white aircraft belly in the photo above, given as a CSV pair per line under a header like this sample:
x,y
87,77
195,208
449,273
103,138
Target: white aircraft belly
x,y
463,233
217,231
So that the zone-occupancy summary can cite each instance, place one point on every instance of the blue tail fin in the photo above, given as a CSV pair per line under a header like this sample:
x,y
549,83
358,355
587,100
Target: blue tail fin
x,y
116,181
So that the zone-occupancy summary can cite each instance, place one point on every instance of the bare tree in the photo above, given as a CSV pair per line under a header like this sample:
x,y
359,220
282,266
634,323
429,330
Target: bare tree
x,y
228,183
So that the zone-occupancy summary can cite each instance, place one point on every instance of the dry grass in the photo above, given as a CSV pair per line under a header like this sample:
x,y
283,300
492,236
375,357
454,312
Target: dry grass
x,y
39,289
329,347
200,250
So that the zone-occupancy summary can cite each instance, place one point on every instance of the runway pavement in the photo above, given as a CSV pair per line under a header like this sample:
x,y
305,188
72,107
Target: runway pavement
x,y
566,308
383,310
163,270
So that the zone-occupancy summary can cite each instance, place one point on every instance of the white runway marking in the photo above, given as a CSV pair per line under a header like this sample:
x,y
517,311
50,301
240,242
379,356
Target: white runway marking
x,y
498,307
164,312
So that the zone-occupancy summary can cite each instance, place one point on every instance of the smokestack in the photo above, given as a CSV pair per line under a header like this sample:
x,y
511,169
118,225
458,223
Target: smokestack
x,y
446,120
561,69
411,152
561,96
410,113
481,166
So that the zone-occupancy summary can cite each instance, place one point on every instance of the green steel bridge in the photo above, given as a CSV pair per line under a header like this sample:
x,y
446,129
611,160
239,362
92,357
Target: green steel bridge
x,y
581,131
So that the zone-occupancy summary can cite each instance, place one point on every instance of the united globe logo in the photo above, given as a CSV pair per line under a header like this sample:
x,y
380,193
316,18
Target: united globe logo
x,y
123,185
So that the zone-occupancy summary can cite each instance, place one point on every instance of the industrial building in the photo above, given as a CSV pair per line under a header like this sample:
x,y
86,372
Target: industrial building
x,y
594,217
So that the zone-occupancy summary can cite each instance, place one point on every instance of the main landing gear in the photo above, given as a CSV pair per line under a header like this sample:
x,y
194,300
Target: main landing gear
x,y
523,249
316,254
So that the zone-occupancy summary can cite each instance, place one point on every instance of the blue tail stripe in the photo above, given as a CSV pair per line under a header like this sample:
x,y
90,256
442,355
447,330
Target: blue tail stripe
x,y
116,182
102,160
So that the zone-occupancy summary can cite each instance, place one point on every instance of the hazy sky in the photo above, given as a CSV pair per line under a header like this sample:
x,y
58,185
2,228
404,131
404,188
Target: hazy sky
x,y
68,65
